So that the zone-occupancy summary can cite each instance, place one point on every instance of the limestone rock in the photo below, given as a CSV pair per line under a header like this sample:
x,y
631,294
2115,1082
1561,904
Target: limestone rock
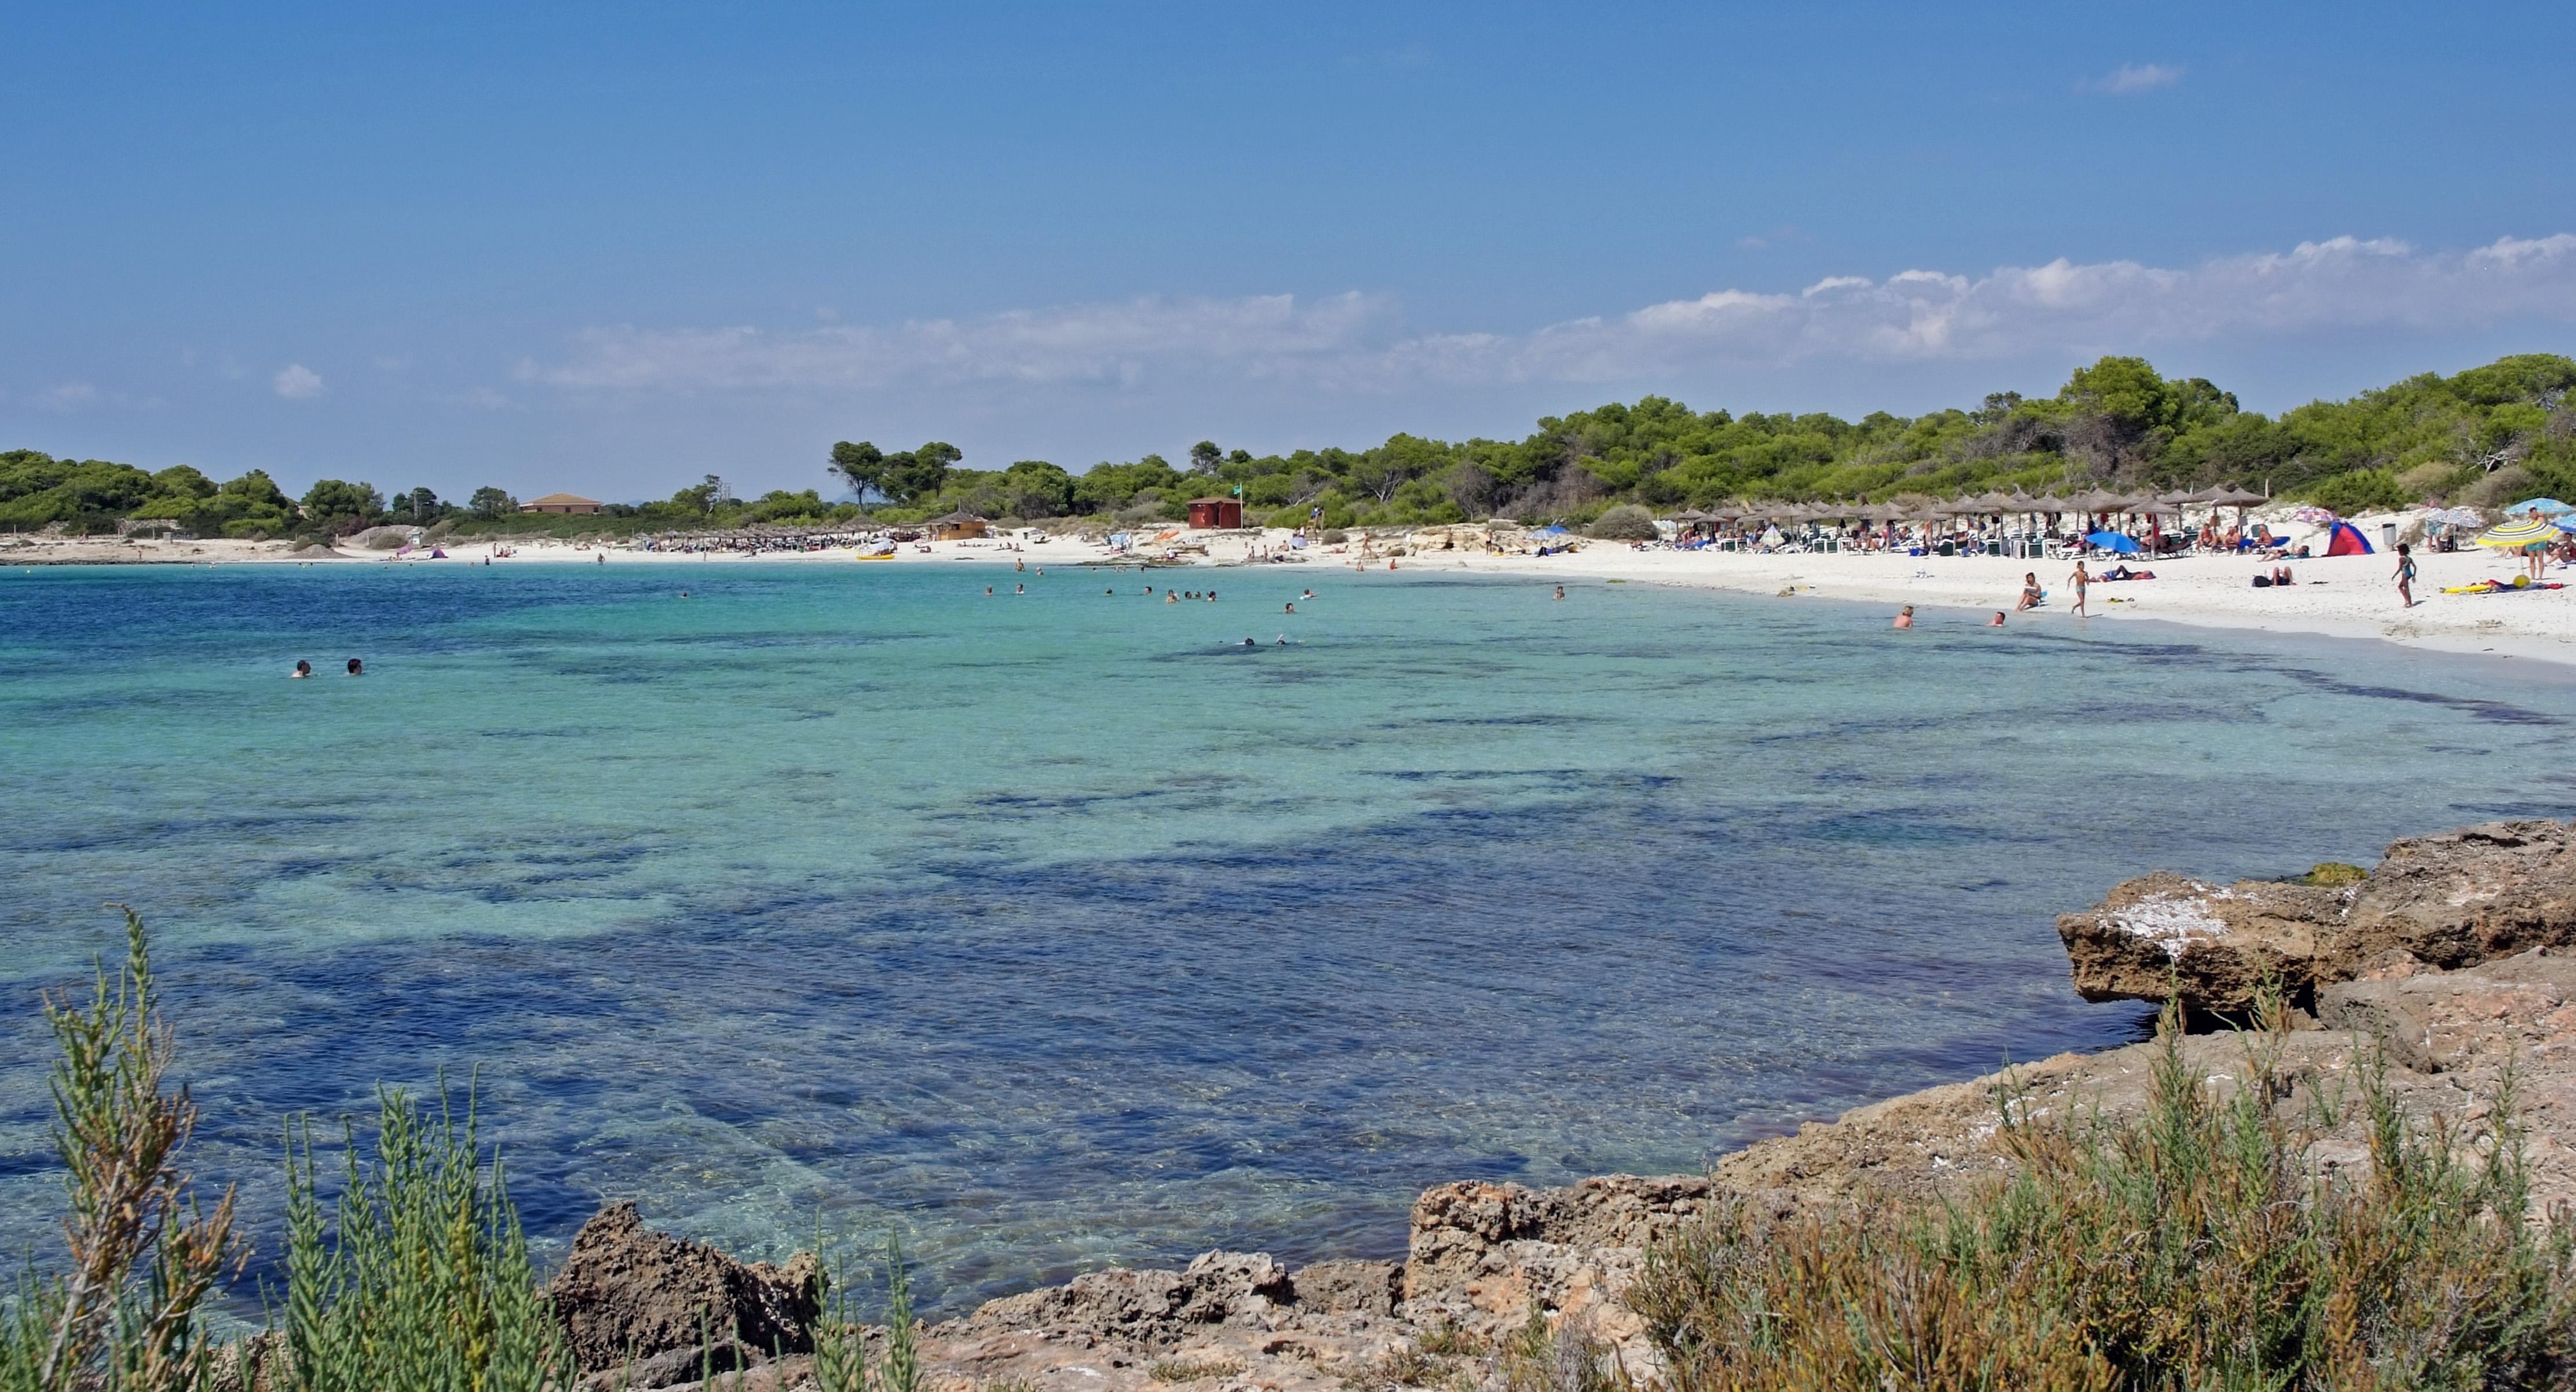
x,y
629,1293
1144,1309
1343,1287
2436,1022
2468,896
2162,932
2452,900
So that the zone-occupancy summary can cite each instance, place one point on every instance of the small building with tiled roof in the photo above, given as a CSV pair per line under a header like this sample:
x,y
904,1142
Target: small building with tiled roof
x,y
561,502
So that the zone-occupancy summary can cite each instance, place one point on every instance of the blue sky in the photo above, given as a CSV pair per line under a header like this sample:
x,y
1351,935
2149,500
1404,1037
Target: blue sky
x,y
612,248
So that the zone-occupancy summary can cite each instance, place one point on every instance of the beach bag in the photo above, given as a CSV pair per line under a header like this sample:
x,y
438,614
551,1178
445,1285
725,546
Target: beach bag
x,y
2262,582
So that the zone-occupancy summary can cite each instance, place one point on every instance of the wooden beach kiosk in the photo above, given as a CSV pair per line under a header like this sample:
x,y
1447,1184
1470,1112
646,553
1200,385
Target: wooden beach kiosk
x,y
1208,513
956,526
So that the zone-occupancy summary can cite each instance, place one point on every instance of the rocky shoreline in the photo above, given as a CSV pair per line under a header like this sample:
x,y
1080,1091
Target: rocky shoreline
x,y
2450,965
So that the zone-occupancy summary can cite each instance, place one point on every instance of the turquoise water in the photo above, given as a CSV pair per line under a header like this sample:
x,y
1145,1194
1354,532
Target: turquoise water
x,y
1062,929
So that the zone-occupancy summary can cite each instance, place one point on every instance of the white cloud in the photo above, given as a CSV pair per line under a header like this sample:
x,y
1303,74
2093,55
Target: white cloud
x,y
2130,79
296,382
1260,335
1357,342
67,396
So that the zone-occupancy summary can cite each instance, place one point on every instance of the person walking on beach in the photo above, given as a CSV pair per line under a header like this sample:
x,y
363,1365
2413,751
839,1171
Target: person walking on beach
x,y
2406,574
2079,580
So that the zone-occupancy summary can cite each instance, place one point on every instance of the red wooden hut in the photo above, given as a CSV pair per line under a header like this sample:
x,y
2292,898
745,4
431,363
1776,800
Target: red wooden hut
x,y
1216,512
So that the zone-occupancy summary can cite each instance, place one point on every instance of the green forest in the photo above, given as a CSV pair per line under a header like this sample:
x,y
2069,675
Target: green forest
x,y
2482,437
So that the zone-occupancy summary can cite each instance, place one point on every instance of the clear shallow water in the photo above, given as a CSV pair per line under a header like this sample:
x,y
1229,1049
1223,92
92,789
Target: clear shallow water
x,y
1058,930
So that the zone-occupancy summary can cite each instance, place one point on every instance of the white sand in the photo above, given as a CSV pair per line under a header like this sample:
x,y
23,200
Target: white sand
x,y
2348,596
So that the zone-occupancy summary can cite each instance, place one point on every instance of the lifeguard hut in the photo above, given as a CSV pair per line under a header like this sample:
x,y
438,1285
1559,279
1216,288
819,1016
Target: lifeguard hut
x,y
1214,513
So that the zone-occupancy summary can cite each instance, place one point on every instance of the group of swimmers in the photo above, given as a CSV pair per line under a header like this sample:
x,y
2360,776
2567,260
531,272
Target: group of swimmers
x,y
304,669
1905,618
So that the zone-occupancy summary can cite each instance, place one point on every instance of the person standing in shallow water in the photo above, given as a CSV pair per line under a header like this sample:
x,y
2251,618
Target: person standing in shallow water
x,y
1904,618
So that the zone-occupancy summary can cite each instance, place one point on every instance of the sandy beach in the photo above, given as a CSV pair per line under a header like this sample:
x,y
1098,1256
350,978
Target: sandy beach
x,y
2343,596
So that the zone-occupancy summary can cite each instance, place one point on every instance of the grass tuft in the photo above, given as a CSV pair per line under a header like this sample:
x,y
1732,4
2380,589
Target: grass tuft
x,y
123,1314
1192,1369
423,1280
2193,1248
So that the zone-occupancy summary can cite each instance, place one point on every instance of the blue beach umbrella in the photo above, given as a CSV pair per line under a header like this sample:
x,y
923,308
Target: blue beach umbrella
x,y
2113,541
2549,507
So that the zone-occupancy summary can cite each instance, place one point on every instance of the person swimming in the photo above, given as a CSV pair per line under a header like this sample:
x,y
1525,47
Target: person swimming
x,y
1904,618
1310,594
1997,621
302,670
1292,607
357,668
1250,644
1560,592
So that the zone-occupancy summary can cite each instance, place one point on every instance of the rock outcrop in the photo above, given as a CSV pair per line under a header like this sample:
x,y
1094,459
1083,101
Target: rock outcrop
x,y
628,1294
2451,901
2454,962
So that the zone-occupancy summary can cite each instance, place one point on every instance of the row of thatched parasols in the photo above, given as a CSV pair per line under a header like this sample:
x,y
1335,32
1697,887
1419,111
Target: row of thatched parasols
x,y
1983,505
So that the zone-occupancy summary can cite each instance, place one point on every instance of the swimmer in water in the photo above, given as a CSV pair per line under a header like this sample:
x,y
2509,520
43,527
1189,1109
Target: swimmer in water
x,y
1560,592
357,668
1019,589
1904,618
1292,608
1997,621
303,669
1249,643
1310,594
684,594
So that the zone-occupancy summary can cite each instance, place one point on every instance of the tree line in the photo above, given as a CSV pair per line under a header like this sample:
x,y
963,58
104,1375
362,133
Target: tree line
x,y
2481,437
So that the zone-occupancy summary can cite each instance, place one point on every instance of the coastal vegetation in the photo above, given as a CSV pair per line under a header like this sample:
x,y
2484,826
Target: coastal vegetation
x,y
2201,1246
2481,437
415,1274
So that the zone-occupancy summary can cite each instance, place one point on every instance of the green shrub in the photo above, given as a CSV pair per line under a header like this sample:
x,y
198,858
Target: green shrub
x,y
2357,492
2192,1248
841,1361
143,1256
1626,522
423,1280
